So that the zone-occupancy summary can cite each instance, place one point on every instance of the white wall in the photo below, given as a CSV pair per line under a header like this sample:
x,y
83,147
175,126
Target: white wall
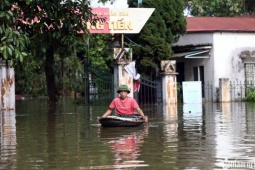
x,y
227,49
198,39
191,63
195,38
224,59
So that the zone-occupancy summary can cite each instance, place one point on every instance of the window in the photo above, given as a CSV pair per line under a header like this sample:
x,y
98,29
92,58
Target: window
x,y
249,73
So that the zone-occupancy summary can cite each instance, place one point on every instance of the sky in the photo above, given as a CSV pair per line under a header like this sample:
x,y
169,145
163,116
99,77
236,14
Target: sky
x,y
109,4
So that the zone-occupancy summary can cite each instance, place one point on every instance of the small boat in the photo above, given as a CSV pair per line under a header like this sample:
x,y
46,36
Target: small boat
x,y
119,121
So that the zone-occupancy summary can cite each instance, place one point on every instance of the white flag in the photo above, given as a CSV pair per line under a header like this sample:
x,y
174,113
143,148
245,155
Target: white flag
x,y
130,68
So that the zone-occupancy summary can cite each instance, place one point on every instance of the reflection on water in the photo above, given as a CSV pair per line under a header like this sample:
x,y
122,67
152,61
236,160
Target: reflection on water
x,y
125,144
234,140
197,136
8,138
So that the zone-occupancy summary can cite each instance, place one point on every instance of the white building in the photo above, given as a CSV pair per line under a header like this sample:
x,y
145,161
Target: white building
x,y
215,48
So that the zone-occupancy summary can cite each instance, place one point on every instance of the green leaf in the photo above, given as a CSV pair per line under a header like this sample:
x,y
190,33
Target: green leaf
x,y
9,51
24,54
7,3
16,55
16,32
3,38
10,13
12,48
28,1
5,53
21,58
2,14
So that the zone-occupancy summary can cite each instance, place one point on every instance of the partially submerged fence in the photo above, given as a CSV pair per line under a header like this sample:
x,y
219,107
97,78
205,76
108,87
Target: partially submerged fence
x,y
150,92
242,91
237,90
98,87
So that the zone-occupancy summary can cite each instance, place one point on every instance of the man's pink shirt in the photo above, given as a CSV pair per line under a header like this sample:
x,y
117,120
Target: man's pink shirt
x,y
127,107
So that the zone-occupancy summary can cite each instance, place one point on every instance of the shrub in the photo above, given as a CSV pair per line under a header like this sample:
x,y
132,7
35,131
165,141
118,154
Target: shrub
x,y
250,94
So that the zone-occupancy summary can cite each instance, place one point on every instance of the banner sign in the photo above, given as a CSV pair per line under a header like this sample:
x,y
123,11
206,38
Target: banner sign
x,y
127,20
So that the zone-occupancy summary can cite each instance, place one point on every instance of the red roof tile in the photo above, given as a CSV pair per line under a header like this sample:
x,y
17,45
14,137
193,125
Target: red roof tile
x,y
215,24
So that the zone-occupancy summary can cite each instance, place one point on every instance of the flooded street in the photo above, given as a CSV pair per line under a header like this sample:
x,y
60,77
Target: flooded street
x,y
186,137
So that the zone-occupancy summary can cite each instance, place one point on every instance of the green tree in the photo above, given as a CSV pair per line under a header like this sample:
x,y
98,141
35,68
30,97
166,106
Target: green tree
x,y
69,71
217,7
249,7
99,52
163,28
220,8
29,76
13,40
54,27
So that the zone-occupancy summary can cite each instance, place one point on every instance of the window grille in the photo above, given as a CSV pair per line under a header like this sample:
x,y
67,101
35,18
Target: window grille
x,y
250,73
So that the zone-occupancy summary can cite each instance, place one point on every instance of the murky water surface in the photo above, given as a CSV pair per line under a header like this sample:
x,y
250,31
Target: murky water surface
x,y
187,137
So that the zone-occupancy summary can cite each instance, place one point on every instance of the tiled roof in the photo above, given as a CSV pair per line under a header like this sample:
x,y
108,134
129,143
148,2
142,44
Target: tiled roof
x,y
222,24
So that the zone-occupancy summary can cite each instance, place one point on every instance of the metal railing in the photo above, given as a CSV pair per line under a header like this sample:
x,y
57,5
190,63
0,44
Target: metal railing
x,y
242,91
98,87
150,92
239,91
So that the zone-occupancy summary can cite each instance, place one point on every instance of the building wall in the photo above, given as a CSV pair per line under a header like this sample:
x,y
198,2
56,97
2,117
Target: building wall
x,y
195,39
227,50
225,61
198,39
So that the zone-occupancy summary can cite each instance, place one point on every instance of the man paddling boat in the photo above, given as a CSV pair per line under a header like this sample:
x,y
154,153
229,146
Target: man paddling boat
x,y
125,105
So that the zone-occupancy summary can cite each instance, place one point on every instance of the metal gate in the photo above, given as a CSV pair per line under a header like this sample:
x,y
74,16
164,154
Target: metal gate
x,y
98,86
150,92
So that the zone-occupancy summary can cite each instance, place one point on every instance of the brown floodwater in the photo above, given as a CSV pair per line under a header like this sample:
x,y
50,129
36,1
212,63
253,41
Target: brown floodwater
x,y
185,136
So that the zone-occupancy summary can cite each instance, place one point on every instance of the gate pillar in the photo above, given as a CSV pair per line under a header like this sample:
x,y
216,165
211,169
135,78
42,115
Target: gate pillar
x,y
224,90
7,87
169,85
123,57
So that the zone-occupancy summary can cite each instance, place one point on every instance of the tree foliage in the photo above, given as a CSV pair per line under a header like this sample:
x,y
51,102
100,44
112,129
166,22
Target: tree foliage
x,y
54,26
30,77
220,8
13,40
163,28
249,7
56,22
99,52
53,29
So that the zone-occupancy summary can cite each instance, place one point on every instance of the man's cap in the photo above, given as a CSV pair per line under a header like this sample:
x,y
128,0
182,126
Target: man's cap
x,y
123,88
